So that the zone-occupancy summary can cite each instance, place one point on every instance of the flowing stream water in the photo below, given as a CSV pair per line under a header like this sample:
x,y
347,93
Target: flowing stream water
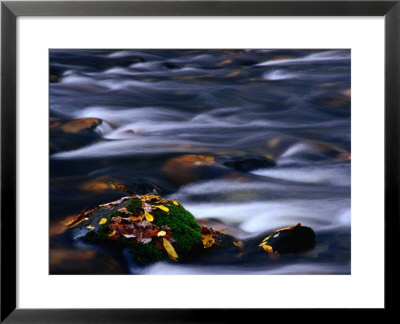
x,y
291,106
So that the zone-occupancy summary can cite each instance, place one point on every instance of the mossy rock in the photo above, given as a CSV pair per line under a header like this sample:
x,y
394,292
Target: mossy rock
x,y
172,222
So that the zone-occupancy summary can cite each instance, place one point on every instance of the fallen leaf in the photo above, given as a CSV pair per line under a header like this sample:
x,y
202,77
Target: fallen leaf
x,y
124,211
166,209
151,232
103,221
175,202
90,227
208,241
288,228
165,228
170,250
161,233
129,235
267,248
147,207
148,197
113,203
238,244
112,233
146,240
266,239
144,224
136,218
159,245
148,216
139,236
78,219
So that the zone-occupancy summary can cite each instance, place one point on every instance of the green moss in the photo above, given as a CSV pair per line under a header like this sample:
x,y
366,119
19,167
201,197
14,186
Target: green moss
x,y
185,231
134,206
147,253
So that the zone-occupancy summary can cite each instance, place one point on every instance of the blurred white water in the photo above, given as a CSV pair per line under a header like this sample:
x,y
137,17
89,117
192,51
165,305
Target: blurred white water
x,y
292,106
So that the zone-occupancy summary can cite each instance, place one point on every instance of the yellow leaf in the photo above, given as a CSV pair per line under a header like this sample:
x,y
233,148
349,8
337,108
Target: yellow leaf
x,y
287,228
175,202
266,239
208,241
136,218
103,221
148,216
161,233
149,197
170,250
112,233
267,248
238,244
166,209
90,227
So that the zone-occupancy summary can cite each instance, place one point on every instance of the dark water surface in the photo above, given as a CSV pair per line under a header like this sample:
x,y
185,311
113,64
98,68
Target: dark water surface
x,y
291,106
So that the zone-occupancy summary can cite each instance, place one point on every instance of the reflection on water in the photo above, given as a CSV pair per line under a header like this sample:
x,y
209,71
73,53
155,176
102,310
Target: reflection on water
x,y
155,106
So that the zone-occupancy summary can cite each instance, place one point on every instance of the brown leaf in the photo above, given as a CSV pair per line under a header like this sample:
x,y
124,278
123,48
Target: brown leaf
x,y
159,245
147,207
165,228
144,224
125,211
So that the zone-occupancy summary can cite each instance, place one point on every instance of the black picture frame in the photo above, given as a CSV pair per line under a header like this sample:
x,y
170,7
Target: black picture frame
x,y
10,10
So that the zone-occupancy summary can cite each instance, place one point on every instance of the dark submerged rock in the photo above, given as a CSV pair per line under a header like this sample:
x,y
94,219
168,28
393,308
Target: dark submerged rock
x,y
249,163
131,186
170,66
186,168
289,240
72,134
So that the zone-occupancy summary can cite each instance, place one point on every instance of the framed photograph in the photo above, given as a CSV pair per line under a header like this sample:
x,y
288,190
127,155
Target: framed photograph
x,y
182,160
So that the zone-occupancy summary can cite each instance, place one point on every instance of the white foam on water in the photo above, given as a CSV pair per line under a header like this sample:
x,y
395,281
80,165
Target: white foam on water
x,y
335,55
131,146
84,82
280,75
103,128
332,174
126,116
128,53
197,58
163,268
120,54
256,217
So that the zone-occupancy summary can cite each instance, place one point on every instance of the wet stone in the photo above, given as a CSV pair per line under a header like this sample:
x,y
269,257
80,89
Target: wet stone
x,y
249,163
289,240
